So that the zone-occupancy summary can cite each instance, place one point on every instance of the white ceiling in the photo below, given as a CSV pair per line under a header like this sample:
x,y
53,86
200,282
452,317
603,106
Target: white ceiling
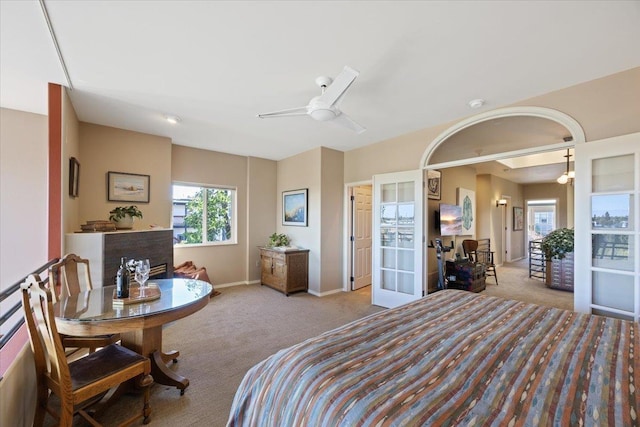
x,y
218,64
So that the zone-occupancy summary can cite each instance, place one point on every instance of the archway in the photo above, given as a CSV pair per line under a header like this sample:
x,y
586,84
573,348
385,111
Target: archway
x,y
572,126
567,132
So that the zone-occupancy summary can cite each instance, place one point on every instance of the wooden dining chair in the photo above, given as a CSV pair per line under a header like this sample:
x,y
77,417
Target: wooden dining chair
x,y
70,276
480,251
83,382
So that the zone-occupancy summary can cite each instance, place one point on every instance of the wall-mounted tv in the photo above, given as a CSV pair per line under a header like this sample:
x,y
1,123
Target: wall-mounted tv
x,y
450,220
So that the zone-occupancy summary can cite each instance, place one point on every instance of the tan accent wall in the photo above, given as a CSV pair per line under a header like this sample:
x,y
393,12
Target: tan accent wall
x,y
225,264
262,204
104,149
70,148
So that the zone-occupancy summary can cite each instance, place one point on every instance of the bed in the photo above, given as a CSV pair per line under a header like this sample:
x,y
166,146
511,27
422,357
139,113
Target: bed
x,y
452,358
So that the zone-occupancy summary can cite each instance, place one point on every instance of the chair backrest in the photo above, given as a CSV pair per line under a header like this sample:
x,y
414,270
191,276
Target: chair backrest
x,y
48,352
469,246
70,276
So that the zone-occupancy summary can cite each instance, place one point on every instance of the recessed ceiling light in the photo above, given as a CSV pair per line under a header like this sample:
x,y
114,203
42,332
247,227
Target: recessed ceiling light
x,y
173,119
476,103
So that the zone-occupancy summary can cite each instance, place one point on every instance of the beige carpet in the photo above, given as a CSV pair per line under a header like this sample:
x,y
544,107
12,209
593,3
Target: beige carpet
x,y
514,283
246,324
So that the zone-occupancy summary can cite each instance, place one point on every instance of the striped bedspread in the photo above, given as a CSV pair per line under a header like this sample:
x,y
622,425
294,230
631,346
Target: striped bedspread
x,y
452,358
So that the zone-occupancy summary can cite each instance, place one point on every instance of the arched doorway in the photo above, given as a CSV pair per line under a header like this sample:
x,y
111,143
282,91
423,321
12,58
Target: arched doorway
x,y
508,133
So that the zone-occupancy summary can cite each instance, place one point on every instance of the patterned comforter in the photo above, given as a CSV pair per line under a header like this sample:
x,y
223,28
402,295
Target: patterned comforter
x,y
452,358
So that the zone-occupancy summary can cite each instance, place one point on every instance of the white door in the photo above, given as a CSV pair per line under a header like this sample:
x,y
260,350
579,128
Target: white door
x,y
397,238
362,227
607,227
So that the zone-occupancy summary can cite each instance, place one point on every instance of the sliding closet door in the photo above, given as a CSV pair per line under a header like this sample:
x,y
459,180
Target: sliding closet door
x,y
607,257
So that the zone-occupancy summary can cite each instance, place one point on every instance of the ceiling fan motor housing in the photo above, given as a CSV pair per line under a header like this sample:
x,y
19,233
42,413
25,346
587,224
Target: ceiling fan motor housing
x,y
320,111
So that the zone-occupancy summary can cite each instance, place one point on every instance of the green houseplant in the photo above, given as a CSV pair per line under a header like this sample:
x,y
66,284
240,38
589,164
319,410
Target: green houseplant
x,y
276,240
558,243
557,247
123,216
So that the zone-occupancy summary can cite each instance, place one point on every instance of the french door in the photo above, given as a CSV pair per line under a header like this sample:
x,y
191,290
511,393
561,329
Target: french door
x,y
397,238
607,231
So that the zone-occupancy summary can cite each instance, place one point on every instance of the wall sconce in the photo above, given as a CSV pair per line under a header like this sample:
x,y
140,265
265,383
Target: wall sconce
x,y
501,202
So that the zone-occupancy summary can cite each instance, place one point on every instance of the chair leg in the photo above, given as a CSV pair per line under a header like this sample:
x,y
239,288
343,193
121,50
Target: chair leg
x,y
42,400
66,414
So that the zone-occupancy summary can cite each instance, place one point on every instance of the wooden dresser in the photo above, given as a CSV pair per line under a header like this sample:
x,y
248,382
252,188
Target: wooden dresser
x,y
286,270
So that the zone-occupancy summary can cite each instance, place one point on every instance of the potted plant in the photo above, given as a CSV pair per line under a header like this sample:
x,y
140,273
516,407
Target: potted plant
x,y
123,216
276,240
558,252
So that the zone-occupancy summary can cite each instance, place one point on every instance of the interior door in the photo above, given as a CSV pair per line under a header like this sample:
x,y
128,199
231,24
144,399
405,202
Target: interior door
x,y
362,227
607,227
397,238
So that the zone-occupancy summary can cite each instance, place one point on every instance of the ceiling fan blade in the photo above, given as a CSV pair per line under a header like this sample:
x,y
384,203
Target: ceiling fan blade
x,y
343,120
340,84
298,111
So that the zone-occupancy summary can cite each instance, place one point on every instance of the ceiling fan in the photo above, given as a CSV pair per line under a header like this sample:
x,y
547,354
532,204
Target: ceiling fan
x,y
324,107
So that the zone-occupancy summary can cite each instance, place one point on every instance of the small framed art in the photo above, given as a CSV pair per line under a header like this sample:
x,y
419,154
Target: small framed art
x,y
127,187
518,219
294,207
74,177
434,184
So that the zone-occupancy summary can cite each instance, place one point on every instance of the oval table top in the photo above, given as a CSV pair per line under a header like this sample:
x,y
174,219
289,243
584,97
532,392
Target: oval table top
x,y
93,312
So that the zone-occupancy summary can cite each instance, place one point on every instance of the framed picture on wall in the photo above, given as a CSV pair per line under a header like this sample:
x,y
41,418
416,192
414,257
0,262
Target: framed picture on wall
x,y
434,184
294,207
467,201
518,219
127,187
74,177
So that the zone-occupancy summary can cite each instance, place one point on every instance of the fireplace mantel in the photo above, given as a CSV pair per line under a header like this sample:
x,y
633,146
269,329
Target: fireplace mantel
x,y
104,250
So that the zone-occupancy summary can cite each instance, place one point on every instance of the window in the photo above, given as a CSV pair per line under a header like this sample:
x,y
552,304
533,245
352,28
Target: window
x,y
203,215
541,218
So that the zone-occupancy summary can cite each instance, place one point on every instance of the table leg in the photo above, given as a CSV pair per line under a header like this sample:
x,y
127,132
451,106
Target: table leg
x,y
148,342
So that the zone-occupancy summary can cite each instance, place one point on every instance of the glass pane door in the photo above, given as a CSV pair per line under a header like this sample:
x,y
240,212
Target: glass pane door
x,y
607,233
398,236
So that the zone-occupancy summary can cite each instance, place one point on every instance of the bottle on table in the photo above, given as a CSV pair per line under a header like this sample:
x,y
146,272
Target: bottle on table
x,y
122,279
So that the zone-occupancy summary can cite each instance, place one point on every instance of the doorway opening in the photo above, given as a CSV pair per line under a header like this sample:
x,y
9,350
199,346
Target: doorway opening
x,y
359,226
541,218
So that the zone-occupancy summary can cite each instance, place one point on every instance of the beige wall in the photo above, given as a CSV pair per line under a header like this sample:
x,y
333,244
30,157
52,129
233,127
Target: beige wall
x,y
225,263
70,148
23,246
332,216
320,171
262,206
23,194
297,172
104,149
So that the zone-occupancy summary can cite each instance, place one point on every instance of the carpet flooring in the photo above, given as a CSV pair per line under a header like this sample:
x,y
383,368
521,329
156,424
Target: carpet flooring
x,y
245,324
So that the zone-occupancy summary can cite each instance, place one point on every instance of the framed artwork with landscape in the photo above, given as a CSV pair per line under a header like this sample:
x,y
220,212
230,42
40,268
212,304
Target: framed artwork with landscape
x,y
294,207
127,187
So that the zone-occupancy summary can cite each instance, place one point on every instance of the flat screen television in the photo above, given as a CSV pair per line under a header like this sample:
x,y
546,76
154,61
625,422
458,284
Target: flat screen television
x,y
450,220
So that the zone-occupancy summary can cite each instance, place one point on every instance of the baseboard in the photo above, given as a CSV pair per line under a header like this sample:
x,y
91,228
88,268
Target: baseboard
x,y
324,294
228,285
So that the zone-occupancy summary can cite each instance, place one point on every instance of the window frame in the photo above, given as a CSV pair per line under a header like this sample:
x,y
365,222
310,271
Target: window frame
x,y
233,219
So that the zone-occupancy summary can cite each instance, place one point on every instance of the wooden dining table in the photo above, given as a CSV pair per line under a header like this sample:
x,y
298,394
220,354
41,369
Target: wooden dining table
x,y
139,324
